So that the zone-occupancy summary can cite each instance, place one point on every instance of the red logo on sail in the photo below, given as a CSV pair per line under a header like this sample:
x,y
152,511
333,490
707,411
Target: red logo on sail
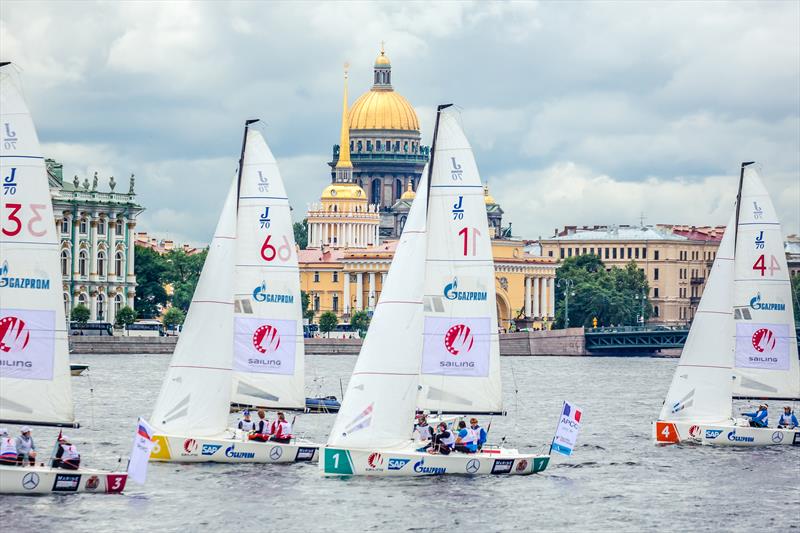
x,y
764,340
459,338
374,460
266,339
14,336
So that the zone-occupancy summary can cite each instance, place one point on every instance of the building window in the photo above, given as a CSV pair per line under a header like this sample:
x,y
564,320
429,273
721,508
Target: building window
x,y
550,253
118,258
65,226
569,252
398,188
644,253
655,310
591,251
83,300
359,146
335,302
397,146
83,260
655,273
614,253
100,306
335,277
117,303
405,146
378,146
316,277
562,253
84,226
655,255
584,251
119,228
316,303
376,191
630,253
655,292
64,263
369,146
606,253
101,263
101,226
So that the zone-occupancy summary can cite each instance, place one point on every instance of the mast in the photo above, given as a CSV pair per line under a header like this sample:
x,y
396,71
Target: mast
x,y
241,157
439,110
739,203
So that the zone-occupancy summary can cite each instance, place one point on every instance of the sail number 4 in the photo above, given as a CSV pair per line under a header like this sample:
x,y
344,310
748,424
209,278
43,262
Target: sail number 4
x,y
13,222
761,266
270,253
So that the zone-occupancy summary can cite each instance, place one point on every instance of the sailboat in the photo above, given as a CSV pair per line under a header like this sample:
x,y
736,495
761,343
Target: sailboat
x,y
435,321
742,342
242,340
35,385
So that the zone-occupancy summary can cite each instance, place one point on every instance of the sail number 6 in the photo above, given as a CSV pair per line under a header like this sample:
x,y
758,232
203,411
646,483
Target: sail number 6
x,y
270,253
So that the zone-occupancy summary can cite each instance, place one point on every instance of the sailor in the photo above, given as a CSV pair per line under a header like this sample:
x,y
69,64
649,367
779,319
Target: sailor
x,y
8,449
759,419
480,433
423,431
246,425
261,432
787,419
442,441
26,448
281,430
67,456
466,441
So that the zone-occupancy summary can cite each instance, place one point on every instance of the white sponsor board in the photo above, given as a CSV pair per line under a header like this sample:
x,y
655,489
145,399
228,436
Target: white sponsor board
x,y
763,346
264,346
569,425
456,346
27,339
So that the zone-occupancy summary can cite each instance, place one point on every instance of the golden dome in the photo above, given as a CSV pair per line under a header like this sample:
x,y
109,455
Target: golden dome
x,y
487,198
382,60
409,193
344,191
383,110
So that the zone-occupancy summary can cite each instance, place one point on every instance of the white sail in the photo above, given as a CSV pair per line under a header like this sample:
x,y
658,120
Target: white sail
x,y
766,359
34,355
461,355
701,387
378,408
268,355
196,391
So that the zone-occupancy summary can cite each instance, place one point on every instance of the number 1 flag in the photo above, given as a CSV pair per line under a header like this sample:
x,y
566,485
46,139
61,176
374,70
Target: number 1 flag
x,y
569,425
140,455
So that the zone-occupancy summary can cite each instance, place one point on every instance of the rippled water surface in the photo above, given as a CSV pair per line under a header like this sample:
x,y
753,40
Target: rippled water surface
x,y
617,479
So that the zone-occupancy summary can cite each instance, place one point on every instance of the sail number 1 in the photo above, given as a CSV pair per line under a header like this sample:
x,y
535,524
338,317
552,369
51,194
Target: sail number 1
x,y
761,265
281,253
33,220
470,245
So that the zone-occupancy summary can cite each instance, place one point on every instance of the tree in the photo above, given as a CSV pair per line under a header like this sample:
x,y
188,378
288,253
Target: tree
x,y
173,317
796,295
301,233
150,273
125,317
360,322
183,271
305,300
327,322
80,314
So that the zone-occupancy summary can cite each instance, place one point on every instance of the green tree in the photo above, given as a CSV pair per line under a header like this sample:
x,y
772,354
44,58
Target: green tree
x,y
173,317
359,321
80,314
305,300
182,271
150,270
327,322
796,296
301,233
125,316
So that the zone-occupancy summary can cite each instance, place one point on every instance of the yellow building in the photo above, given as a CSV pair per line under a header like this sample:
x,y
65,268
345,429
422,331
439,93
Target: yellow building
x,y
345,264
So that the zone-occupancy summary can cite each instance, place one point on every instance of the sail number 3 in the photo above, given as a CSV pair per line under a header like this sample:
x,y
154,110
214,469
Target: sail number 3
x,y
282,253
13,222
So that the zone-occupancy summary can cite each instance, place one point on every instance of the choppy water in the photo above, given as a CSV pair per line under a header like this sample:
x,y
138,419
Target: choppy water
x,y
616,480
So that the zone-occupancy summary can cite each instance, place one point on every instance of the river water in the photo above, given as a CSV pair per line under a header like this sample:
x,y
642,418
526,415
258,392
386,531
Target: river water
x,y
616,480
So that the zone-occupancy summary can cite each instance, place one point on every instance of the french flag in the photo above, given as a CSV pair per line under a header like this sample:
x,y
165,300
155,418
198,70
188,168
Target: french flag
x,y
576,412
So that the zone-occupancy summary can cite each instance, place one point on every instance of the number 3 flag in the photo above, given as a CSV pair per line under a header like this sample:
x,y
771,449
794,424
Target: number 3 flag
x,y
140,455
569,425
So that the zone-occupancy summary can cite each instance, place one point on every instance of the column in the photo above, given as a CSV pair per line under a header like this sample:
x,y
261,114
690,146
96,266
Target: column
x,y
551,297
76,240
527,297
360,291
310,237
346,292
537,298
131,294
371,299
93,250
131,246
93,305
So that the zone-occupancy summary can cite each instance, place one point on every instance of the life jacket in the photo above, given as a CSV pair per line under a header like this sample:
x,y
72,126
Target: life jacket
x,y
477,431
470,437
263,427
70,452
786,420
450,440
24,445
424,432
247,425
282,430
8,448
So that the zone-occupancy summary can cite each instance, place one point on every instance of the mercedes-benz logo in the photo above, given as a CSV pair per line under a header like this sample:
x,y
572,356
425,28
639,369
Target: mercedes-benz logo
x,y
777,437
30,481
473,465
275,453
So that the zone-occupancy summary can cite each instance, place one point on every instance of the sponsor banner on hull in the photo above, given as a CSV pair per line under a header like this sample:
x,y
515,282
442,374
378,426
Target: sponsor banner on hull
x,y
456,346
502,466
66,482
305,454
764,346
264,346
27,343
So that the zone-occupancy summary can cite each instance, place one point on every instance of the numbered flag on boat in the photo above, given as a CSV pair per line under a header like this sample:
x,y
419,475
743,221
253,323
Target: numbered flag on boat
x,y
567,432
140,455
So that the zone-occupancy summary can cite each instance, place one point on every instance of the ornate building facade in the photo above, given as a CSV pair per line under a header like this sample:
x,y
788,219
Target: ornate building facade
x,y
97,243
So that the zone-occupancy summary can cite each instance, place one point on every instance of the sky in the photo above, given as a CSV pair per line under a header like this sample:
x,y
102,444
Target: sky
x,y
578,113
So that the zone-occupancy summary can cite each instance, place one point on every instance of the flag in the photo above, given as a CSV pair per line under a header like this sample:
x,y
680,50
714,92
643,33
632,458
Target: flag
x,y
569,425
140,455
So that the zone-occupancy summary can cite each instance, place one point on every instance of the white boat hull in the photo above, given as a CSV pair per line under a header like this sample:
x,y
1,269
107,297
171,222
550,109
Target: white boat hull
x,y
409,462
188,449
723,434
46,480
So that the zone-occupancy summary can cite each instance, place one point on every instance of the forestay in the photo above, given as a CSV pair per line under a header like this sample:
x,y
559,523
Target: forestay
x,y
461,355
195,395
701,387
766,359
378,408
268,353
34,356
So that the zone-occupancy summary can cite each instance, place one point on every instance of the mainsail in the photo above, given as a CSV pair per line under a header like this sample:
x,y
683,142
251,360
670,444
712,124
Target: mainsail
x,y
34,355
268,350
766,362
701,387
382,393
461,356
197,388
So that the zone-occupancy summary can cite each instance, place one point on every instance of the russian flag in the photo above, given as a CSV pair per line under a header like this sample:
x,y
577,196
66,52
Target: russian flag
x,y
144,430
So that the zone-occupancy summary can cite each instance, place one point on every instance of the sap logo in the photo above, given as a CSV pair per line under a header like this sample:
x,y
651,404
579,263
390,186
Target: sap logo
x,y
210,449
451,293
502,466
230,452
13,282
260,294
713,433
420,468
733,437
758,305
398,464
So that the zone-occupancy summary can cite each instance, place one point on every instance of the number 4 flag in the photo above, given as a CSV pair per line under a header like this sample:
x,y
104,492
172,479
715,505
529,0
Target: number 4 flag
x,y
140,455
569,425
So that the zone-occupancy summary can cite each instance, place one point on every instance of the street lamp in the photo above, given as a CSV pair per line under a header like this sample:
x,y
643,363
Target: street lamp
x,y
568,284
642,297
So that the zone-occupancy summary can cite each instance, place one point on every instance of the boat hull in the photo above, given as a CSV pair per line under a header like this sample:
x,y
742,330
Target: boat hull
x,y
350,462
46,480
188,449
723,434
